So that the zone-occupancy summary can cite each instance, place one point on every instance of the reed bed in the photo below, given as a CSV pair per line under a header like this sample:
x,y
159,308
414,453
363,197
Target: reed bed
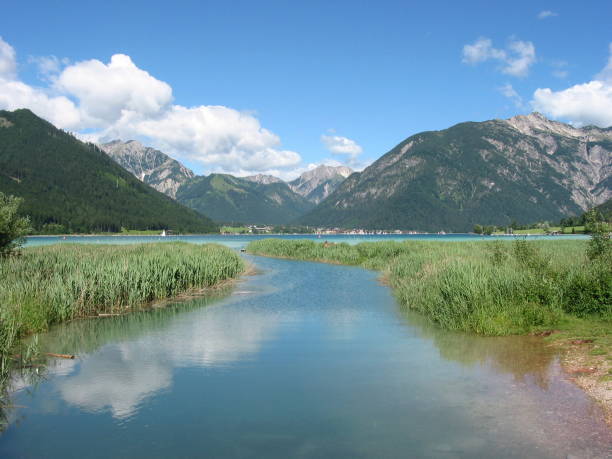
x,y
47,285
497,288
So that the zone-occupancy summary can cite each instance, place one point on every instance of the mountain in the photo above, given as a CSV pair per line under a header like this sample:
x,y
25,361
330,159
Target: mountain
x,y
263,179
526,168
149,165
318,183
71,186
230,199
258,199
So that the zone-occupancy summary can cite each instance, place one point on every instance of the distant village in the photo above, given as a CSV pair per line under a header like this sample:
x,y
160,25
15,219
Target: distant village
x,y
269,229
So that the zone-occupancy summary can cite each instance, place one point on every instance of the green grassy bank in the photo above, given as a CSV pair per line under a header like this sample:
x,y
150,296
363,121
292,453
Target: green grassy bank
x,y
498,288
46,285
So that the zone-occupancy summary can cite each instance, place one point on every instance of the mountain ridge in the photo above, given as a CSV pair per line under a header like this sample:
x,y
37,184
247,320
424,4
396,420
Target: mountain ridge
x,y
230,199
524,168
278,202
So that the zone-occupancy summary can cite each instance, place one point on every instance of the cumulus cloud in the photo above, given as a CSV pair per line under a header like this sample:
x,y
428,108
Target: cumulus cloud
x,y
108,92
59,110
515,59
339,145
581,104
8,63
508,91
546,14
102,101
14,94
346,149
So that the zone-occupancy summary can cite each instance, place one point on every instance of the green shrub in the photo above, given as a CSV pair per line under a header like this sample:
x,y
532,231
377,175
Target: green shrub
x,y
13,228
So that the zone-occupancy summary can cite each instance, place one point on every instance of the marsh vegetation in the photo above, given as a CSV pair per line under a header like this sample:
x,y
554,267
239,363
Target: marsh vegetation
x,y
497,288
43,286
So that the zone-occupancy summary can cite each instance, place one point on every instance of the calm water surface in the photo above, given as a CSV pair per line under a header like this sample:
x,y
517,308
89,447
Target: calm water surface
x,y
239,242
302,360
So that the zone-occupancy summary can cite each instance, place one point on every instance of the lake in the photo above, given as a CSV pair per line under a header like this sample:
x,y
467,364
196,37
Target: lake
x,y
301,360
241,241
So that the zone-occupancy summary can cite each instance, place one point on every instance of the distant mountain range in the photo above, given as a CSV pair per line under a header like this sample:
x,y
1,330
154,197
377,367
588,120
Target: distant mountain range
x,y
523,169
257,199
71,186
526,168
232,199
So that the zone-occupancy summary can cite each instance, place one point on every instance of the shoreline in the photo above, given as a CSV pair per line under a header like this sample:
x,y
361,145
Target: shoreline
x,y
591,373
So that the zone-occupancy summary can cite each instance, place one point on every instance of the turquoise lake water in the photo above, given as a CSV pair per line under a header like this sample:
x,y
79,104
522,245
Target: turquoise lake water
x,y
238,242
301,360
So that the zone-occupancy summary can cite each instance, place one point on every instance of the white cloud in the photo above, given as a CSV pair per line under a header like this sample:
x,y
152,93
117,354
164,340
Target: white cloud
x,y
339,145
8,63
522,56
508,91
546,14
59,110
220,138
343,146
581,104
109,92
120,100
515,59
480,51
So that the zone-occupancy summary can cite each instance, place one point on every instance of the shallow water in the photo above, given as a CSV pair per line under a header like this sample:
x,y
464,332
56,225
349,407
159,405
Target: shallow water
x,y
302,360
241,241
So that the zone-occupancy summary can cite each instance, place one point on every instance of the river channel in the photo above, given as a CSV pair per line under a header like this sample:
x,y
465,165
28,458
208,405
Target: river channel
x,y
300,360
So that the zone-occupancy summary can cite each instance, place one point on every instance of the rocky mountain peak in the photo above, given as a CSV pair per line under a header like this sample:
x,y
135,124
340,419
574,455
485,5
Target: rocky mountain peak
x,y
149,165
535,123
324,172
263,179
318,183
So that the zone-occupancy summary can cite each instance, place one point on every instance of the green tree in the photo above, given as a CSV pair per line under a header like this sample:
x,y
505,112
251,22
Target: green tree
x,y
13,228
600,244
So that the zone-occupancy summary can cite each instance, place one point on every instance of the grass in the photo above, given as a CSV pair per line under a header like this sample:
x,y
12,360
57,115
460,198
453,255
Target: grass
x,y
498,288
46,285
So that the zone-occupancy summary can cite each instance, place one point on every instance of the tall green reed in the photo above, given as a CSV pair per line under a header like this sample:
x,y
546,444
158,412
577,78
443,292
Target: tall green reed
x,y
495,288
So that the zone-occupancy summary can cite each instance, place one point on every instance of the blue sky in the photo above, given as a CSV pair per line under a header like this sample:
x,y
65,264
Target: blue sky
x,y
246,87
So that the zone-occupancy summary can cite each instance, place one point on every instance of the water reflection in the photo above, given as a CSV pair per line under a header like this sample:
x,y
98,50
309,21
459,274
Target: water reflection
x,y
524,357
135,355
